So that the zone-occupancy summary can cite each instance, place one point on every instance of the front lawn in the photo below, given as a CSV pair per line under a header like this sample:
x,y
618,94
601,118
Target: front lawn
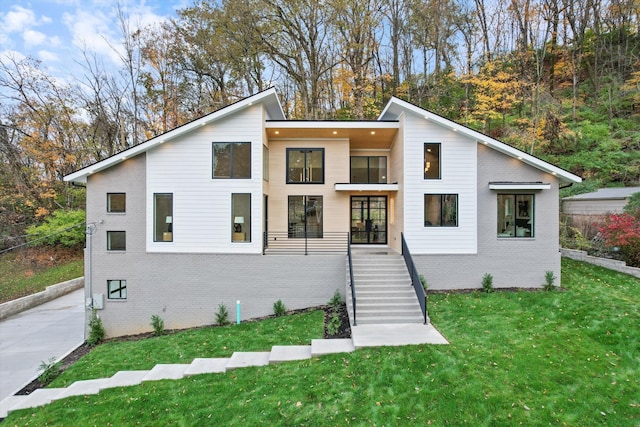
x,y
568,357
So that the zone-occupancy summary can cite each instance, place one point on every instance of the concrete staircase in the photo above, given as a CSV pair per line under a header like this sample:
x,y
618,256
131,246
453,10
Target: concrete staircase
x,y
277,354
384,294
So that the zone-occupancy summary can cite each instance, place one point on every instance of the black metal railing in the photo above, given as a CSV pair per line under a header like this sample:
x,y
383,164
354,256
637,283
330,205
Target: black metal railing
x,y
288,243
351,281
415,279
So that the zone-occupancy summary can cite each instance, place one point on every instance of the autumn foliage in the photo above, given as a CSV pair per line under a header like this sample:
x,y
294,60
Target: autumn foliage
x,y
623,231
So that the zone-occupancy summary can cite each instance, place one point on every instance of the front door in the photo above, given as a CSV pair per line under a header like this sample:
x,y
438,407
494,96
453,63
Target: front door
x,y
369,220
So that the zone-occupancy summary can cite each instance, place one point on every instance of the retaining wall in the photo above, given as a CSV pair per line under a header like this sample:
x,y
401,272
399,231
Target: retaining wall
x,y
10,308
611,264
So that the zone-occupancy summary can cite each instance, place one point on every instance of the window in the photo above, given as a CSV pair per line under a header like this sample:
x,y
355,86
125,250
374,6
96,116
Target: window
x,y
440,210
232,160
431,161
515,215
305,216
116,289
116,241
241,217
116,202
305,166
369,170
163,217
265,163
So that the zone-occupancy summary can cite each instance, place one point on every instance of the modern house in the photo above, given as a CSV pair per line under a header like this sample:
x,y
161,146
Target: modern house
x,y
224,209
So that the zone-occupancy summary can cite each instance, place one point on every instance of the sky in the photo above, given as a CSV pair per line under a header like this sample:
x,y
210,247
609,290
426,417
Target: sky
x,y
57,31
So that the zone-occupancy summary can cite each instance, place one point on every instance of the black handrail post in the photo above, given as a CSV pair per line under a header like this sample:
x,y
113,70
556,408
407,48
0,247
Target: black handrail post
x,y
415,279
351,282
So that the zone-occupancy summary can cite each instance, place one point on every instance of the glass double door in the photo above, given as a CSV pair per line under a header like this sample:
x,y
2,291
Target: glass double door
x,y
369,220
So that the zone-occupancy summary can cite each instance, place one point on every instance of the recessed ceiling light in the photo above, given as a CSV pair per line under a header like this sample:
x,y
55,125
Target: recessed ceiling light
x,y
335,132
373,132
277,132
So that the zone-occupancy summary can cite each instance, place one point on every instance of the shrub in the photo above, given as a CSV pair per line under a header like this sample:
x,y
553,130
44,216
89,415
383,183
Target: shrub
x,y
549,281
487,283
49,371
336,301
622,231
222,315
96,329
63,227
279,309
423,281
334,324
158,325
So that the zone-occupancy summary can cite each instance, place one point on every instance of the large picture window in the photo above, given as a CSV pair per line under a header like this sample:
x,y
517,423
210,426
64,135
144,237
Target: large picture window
x,y
440,210
116,289
116,202
368,170
116,241
163,217
241,217
515,215
305,216
232,160
432,161
305,165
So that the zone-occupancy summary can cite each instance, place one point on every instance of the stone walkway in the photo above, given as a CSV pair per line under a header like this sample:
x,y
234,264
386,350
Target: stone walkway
x,y
277,354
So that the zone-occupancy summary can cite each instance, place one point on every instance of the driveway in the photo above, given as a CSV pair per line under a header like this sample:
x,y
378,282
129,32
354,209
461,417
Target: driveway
x,y
52,329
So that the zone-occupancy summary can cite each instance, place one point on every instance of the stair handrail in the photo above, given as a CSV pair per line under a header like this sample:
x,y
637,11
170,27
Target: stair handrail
x,y
415,279
351,282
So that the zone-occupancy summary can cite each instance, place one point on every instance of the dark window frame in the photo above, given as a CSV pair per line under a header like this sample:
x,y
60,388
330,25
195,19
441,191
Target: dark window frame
x,y
293,234
118,290
124,239
441,215
369,180
109,203
155,217
231,162
428,145
246,225
305,151
517,216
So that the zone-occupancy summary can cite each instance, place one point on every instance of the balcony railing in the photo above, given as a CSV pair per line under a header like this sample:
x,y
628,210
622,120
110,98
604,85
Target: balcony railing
x,y
301,243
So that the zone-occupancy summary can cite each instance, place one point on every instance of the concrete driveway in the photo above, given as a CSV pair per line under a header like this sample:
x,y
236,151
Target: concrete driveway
x,y
52,329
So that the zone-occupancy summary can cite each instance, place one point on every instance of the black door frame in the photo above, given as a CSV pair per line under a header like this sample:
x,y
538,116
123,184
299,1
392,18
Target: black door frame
x,y
373,237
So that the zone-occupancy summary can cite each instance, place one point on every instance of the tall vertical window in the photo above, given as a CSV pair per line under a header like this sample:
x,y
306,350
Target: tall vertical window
x,y
515,215
116,202
440,210
163,217
265,163
432,161
241,217
368,170
116,240
116,289
305,165
305,216
232,160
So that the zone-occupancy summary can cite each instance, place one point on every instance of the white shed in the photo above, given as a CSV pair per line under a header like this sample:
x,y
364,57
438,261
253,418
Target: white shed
x,y
601,202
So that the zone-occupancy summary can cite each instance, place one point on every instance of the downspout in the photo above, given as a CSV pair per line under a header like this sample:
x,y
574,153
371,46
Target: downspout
x,y
91,229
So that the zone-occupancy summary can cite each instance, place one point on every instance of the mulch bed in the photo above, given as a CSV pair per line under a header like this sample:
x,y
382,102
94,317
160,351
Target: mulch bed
x,y
344,331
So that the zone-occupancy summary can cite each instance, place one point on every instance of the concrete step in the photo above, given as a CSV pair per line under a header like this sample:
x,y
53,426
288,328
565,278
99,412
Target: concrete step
x,y
207,366
125,379
384,292
39,397
166,372
84,387
377,320
384,306
243,359
287,353
320,347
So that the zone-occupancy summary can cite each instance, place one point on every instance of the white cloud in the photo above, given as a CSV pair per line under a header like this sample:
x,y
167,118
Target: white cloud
x,y
47,56
33,38
92,30
18,19
12,54
55,41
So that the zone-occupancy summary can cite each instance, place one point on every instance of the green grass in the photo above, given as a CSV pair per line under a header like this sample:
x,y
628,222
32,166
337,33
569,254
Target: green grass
x,y
20,276
567,357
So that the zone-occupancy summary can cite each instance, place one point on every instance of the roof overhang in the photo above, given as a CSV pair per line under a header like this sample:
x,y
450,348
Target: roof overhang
x,y
362,135
519,186
268,98
396,107
366,187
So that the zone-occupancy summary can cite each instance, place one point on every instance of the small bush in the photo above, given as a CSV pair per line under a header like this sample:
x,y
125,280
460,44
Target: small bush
x,y
222,315
487,283
424,282
336,301
49,371
279,309
158,325
549,281
334,324
96,329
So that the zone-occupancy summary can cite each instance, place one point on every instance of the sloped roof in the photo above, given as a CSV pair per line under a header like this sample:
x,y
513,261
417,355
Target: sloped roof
x,y
396,107
616,193
267,97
